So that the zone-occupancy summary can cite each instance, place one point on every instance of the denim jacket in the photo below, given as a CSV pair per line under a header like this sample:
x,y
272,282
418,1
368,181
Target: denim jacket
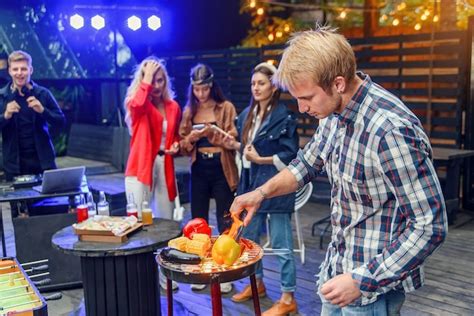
x,y
277,136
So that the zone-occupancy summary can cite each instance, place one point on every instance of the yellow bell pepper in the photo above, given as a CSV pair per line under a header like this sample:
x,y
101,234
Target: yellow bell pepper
x,y
225,250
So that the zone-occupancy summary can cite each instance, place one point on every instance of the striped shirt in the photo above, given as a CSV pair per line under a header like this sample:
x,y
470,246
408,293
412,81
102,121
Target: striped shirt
x,y
387,208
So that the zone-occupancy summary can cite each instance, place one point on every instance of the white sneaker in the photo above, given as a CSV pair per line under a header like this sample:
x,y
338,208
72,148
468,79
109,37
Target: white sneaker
x,y
226,287
198,287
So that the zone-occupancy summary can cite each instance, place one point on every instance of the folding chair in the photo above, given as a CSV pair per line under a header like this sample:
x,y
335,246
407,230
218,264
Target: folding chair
x,y
178,211
302,196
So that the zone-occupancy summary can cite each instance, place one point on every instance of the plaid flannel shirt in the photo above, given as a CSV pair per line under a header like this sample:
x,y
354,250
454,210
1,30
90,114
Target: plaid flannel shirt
x,y
387,208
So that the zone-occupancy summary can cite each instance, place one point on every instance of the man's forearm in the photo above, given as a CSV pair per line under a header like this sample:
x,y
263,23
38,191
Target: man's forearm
x,y
282,183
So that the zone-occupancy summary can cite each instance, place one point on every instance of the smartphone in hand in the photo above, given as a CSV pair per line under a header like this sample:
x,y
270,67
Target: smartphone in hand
x,y
199,126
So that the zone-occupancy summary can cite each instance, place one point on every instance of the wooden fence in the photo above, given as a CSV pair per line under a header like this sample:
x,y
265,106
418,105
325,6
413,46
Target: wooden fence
x,y
428,72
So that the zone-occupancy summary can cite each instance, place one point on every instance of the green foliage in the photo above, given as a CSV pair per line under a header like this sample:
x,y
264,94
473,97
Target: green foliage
x,y
345,14
271,27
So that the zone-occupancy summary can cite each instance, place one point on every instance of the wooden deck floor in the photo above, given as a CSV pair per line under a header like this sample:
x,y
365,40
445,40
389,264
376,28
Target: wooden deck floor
x,y
449,288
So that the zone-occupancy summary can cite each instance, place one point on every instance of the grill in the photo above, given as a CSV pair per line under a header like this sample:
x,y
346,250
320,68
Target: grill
x,y
208,272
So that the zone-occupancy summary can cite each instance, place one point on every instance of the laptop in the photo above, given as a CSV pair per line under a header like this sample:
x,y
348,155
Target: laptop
x,y
61,180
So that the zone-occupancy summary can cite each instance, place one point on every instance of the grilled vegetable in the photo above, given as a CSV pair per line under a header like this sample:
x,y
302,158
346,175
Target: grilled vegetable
x,y
198,247
196,225
177,256
178,243
225,250
201,237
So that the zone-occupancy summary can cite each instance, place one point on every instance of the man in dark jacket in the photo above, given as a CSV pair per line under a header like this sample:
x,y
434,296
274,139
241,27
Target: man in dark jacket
x,y
27,110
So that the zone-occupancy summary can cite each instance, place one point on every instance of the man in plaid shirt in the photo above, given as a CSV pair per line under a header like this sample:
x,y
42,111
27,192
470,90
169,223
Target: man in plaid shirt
x,y
387,209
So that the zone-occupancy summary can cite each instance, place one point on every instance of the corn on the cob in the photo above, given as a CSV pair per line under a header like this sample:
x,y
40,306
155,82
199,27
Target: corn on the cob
x,y
201,237
179,243
198,247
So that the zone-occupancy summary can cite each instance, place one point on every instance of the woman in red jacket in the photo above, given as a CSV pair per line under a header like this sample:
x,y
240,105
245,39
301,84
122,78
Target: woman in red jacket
x,y
153,119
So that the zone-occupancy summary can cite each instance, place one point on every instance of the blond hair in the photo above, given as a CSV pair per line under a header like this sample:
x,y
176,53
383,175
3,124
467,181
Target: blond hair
x,y
319,55
168,93
19,55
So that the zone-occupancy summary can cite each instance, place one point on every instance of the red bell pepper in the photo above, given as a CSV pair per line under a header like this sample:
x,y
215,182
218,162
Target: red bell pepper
x,y
196,225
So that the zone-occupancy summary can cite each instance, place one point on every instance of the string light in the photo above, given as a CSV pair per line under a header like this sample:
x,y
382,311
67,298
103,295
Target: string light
x,y
271,62
401,6
394,15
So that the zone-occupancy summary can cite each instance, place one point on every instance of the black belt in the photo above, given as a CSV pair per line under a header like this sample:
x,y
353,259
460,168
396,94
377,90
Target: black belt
x,y
208,155
161,152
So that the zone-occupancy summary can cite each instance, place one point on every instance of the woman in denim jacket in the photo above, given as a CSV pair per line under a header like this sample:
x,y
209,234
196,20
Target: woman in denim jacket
x,y
268,141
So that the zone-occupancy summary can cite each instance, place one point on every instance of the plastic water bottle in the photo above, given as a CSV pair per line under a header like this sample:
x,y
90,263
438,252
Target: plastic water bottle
x,y
91,207
103,205
132,209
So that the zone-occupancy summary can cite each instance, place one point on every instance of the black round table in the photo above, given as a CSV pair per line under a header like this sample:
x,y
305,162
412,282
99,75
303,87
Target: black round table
x,y
120,278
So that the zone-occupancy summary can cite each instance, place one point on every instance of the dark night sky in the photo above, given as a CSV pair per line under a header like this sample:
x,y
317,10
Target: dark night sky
x,y
187,24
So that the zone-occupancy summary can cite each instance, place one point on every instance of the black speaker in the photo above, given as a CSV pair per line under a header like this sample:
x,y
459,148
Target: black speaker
x,y
33,243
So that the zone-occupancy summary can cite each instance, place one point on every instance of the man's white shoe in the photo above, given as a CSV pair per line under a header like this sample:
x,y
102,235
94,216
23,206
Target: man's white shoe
x,y
226,287
198,287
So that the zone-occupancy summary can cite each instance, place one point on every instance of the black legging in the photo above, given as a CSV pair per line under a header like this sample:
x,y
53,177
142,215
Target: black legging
x,y
208,181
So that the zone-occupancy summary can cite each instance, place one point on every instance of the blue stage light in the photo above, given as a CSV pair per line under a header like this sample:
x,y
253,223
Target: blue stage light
x,y
76,21
134,22
154,22
98,22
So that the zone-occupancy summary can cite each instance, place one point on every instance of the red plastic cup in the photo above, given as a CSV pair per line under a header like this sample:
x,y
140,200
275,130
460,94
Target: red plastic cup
x,y
82,213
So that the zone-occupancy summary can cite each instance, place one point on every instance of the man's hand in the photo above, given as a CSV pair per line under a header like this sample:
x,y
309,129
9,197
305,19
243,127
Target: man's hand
x,y
35,104
12,107
249,201
341,290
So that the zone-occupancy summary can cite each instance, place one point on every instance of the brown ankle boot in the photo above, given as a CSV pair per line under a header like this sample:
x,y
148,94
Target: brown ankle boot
x,y
246,294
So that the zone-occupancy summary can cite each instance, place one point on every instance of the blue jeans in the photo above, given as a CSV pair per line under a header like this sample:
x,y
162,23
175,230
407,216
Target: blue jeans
x,y
388,304
281,238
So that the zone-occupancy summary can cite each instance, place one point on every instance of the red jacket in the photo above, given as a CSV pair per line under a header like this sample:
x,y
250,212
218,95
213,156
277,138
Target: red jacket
x,y
147,125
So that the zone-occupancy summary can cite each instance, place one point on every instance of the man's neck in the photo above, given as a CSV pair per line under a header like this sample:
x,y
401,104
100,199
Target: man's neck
x,y
14,87
351,90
